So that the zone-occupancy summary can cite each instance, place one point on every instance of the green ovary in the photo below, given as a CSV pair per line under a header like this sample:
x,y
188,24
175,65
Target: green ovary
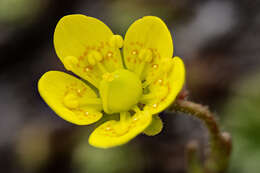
x,y
120,91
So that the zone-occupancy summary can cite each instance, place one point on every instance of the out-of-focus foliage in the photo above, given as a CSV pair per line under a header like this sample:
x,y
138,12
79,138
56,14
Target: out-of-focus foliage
x,y
125,159
243,121
19,11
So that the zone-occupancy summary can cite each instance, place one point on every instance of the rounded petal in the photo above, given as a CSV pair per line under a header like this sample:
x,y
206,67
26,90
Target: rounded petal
x,y
70,98
165,84
87,47
147,41
114,133
155,127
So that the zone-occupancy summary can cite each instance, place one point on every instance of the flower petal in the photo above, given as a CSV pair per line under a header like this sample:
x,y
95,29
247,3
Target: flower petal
x,y
165,84
155,127
70,98
87,47
114,133
146,42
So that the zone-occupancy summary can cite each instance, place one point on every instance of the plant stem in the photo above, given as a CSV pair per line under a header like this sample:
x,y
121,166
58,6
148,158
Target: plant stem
x,y
220,143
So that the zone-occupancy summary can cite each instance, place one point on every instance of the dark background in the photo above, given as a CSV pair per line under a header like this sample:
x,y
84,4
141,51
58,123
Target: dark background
x,y
219,42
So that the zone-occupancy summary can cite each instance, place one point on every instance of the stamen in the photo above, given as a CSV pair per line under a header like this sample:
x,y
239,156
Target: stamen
x,y
155,105
136,109
146,97
167,66
116,41
123,123
94,57
108,77
109,54
160,81
135,119
139,69
70,62
154,78
145,57
87,69
134,52
108,128
124,116
91,60
71,101
155,66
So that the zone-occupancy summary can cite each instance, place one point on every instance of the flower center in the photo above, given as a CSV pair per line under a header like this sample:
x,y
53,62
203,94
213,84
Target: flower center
x,y
120,91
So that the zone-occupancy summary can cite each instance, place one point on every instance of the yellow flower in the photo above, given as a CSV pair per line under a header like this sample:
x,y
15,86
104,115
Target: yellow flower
x,y
137,87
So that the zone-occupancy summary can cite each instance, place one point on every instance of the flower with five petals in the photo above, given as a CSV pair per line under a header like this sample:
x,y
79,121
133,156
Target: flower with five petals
x,y
137,86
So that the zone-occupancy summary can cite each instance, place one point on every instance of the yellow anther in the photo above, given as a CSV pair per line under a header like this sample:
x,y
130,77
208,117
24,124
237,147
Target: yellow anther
x,y
108,128
160,81
146,55
155,105
116,41
108,77
79,91
94,57
109,54
70,61
134,52
155,66
86,113
87,69
135,119
71,101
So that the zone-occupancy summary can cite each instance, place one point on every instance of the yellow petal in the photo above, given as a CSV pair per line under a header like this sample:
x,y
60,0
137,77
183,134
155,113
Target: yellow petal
x,y
114,133
147,41
165,84
155,127
70,98
87,47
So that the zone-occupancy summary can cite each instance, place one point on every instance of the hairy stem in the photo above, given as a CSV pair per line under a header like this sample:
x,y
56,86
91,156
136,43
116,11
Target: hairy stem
x,y
220,143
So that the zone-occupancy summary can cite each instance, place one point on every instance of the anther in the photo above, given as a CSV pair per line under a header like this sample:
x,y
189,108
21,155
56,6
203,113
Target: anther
x,y
70,61
134,52
160,81
155,105
94,57
109,54
116,41
108,77
155,66
135,119
87,69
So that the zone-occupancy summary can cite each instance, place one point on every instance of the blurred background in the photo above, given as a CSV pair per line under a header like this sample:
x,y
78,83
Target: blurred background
x,y
219,42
